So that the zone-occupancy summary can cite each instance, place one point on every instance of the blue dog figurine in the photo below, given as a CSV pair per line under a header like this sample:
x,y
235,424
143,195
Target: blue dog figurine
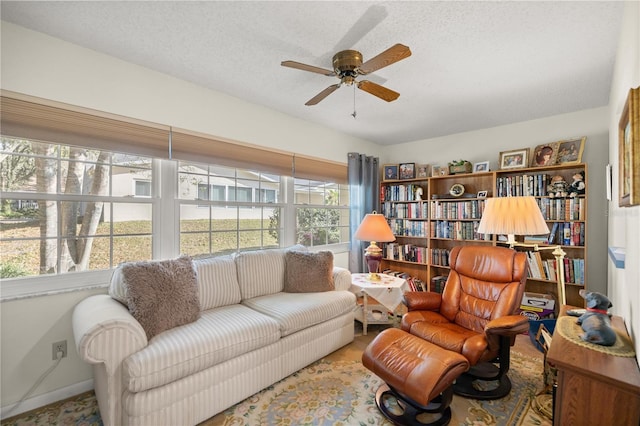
x,y
595,322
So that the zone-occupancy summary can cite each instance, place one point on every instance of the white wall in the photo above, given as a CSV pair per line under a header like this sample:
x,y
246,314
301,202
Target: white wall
x,y
486,145
39,65
624,223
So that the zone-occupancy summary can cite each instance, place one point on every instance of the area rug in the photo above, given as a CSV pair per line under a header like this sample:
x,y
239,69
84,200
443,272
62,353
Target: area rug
x,y
332,393
342,393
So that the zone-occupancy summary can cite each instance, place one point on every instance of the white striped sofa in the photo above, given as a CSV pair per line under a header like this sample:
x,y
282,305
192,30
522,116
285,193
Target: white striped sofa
x,y
250,334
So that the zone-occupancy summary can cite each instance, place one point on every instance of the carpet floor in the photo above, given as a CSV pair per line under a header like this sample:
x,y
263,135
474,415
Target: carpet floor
x,y
338,390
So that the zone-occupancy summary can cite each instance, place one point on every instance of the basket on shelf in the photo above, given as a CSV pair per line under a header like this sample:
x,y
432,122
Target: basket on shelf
x,y
460,168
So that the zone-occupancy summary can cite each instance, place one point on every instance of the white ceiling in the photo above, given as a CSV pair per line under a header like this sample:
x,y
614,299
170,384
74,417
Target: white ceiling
x,y
474,64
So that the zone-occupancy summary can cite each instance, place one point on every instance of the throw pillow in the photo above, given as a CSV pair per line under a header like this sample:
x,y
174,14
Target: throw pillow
x,y
162,294
308,272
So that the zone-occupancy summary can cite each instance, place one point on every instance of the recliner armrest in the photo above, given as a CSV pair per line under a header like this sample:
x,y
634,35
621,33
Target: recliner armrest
x,y
509,326
422,300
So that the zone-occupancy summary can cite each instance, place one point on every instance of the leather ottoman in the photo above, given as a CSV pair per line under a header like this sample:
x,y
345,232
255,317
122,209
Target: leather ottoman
x,y
418,375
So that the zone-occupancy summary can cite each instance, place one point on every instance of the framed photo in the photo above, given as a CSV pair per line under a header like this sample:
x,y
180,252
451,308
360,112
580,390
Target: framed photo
x,y
514,159
629,151
481,167
390,172
435,170
570,151
422,170
545,155
482,194
407,170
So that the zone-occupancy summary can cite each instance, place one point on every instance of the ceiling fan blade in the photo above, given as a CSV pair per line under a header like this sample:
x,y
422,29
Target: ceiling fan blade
x,y
390,56
379,91
320,96
305,67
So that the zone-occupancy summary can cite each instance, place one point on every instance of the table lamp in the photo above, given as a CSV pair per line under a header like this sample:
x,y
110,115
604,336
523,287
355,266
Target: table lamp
x,y
374,228
521,216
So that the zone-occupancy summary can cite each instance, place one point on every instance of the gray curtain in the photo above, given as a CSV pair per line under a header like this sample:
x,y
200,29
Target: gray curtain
x,y
364,197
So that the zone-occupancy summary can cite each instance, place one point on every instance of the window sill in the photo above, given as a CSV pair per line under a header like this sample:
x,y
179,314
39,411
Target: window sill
x,y
47,285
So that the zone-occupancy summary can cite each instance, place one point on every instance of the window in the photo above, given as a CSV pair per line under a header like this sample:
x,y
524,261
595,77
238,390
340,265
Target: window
x,y
322,212
232,223
83,191
142,188
70,209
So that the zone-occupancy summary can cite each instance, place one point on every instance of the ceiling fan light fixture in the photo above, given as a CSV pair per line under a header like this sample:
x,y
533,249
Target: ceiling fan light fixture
x,y
348,66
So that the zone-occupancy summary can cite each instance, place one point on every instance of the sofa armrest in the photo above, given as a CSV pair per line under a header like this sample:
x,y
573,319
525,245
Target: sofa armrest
x,y
422,300
341,278
509,326
105,332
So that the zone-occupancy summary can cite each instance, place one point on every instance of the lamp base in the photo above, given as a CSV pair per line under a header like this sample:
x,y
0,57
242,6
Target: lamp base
x,y
373,256
374,276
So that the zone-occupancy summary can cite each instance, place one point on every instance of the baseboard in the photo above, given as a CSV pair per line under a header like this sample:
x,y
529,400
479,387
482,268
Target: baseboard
x,y
46,399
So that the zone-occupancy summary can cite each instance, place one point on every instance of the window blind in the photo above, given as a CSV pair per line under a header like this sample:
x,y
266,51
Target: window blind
x,y
193,146
317,169
33,118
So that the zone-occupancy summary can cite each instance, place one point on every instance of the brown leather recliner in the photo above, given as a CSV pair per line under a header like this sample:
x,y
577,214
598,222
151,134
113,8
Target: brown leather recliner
x,y
476,315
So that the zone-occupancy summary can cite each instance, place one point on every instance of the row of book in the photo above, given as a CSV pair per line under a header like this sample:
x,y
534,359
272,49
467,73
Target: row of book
x,y
409,228
572,208
406,252
399,192
546,269
567,233
437,283
440,256
415,284
522,185
410,210
471,209
458,230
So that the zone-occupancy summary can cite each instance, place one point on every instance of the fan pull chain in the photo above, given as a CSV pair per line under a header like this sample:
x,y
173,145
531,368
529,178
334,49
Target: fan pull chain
x,y
354,102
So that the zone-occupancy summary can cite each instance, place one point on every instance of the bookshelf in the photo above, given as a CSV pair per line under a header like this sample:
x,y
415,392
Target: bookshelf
x,y
567,221
426,230
405,204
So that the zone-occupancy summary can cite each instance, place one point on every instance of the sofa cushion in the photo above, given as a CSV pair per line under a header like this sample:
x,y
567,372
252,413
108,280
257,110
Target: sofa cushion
x,y
161,294
217,282
307,272
219,335
297,311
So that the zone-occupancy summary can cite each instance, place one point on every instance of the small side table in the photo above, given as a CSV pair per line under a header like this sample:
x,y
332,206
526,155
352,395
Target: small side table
x,y
388,292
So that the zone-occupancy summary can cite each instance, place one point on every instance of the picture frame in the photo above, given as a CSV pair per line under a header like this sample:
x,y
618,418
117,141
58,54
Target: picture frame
x,y
480,167
545,155
435,171
422,170
629,151
570,151
516,159
390,172
407,171
482,194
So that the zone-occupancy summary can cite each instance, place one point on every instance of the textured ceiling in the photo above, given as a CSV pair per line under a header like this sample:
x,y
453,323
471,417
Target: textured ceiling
x,y
474,64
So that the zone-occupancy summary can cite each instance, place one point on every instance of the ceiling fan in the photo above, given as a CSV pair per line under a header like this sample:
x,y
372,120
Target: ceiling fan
x,y
348,66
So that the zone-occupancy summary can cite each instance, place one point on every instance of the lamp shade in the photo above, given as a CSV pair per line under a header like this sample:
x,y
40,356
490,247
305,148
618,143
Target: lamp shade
x,y
374,227
512,216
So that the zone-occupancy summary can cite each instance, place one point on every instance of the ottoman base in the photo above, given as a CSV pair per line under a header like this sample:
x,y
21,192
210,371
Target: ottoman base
x,y
437,413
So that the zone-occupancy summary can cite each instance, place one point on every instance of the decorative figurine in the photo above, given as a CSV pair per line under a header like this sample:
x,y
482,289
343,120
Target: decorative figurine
x,y
595,322
558,187
578,186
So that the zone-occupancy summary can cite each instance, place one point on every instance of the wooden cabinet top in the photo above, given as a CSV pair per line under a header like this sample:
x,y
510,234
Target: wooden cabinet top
x,y
619,371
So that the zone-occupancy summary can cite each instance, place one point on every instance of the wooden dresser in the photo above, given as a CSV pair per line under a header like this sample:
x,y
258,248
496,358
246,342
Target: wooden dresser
x,y
594,388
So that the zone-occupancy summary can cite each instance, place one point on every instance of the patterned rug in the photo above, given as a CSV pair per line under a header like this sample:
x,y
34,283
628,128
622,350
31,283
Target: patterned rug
x,y
343,392
333,393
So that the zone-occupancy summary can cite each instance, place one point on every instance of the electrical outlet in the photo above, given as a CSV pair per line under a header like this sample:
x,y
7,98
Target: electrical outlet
x,y
59,347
